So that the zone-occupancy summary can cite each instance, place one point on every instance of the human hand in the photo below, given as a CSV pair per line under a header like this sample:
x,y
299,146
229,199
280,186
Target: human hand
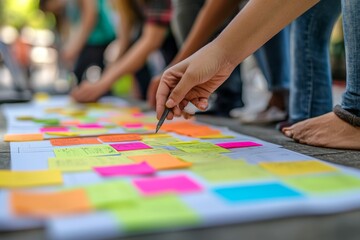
x,y
151,92
192,80
89,92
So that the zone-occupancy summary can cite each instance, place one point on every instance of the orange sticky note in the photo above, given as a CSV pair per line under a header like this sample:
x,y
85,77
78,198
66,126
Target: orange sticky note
x,y
120,137
49,204
161,161
23,137
73,141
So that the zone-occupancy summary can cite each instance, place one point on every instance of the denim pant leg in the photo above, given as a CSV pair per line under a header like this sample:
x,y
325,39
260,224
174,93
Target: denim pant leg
x,y
351,22
311,90
277,53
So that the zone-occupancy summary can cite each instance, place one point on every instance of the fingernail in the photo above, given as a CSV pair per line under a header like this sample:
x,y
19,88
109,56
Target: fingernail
x,y
202,106
288,133
170,103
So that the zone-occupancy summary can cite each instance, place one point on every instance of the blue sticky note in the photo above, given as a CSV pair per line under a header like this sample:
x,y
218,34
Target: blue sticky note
x,y
258,192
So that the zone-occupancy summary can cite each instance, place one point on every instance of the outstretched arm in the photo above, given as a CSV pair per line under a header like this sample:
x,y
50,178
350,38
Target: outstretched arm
x,y
195,78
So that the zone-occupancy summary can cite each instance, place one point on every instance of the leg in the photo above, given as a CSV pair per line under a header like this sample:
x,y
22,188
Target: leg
x,y
311,92
341,128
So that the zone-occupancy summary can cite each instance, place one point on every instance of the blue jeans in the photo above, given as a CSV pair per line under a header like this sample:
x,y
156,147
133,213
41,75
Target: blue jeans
x,y
274,61
311,83
351,23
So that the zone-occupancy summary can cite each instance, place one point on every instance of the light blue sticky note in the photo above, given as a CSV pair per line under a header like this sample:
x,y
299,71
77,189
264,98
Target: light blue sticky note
x,y
258,192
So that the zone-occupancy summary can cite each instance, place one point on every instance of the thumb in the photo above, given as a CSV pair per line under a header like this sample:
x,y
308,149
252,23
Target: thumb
x,y
185,84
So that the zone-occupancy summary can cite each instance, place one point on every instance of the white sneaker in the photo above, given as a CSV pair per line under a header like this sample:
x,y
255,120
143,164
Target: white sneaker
x,y
271,115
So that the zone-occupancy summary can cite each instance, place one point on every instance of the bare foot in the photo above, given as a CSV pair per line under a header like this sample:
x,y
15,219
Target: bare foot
x,y
325,131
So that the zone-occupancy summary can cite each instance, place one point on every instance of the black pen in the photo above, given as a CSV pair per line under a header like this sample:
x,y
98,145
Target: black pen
x,y
162,119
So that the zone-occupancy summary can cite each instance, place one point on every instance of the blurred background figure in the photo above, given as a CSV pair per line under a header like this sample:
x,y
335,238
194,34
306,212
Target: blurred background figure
x,y
90,32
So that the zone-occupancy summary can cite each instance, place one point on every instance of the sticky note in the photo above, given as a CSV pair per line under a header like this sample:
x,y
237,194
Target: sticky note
x,y
70,122
120,138
324,183
20,179
161,161
73,141
175,184
133,125
54,129
160,142
86,163
256,192
104,195
156,212
25,118
199,147
229,145
229,171
94,131
40,204
143,152
297,167
216,136
89,125
23,137
157,135
62,134
47,121
129,146
86,151
200,157
125,170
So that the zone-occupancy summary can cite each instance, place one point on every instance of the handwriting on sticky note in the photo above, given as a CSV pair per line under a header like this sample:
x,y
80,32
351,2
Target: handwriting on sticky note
x,y
177,184
120,138
40,204
238,144
130,146
297,167
125,170
161,161
199,147
85,163
23,137
73,141
86,151
18,179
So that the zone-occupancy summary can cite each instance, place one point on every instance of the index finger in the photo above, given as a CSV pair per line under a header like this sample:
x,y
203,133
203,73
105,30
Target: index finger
x,y
162,94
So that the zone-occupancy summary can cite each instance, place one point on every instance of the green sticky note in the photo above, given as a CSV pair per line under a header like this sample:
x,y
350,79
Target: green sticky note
x,y
324,183
89,132
198,147
143,152
200,157
156,212
47,122
112,193
86,163
159,142
87,151
227,171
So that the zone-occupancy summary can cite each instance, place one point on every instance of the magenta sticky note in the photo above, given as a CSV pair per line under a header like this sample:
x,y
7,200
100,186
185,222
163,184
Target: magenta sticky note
x,y
133,125
89,125
130,146
177,184
238,144
138,114
54,129
125,170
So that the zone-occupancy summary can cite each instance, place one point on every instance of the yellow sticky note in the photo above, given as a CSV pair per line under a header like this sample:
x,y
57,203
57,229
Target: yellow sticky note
x,y
86,151
297,168
157,135
14,179
23,137
198,147
143,152
63,134
200,157
85,164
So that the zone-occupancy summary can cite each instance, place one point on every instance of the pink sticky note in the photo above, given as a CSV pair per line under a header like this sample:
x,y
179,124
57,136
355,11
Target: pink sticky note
x,y
238,144
138,114
89,125
54,129
130,146
133,125
177,184
124,170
